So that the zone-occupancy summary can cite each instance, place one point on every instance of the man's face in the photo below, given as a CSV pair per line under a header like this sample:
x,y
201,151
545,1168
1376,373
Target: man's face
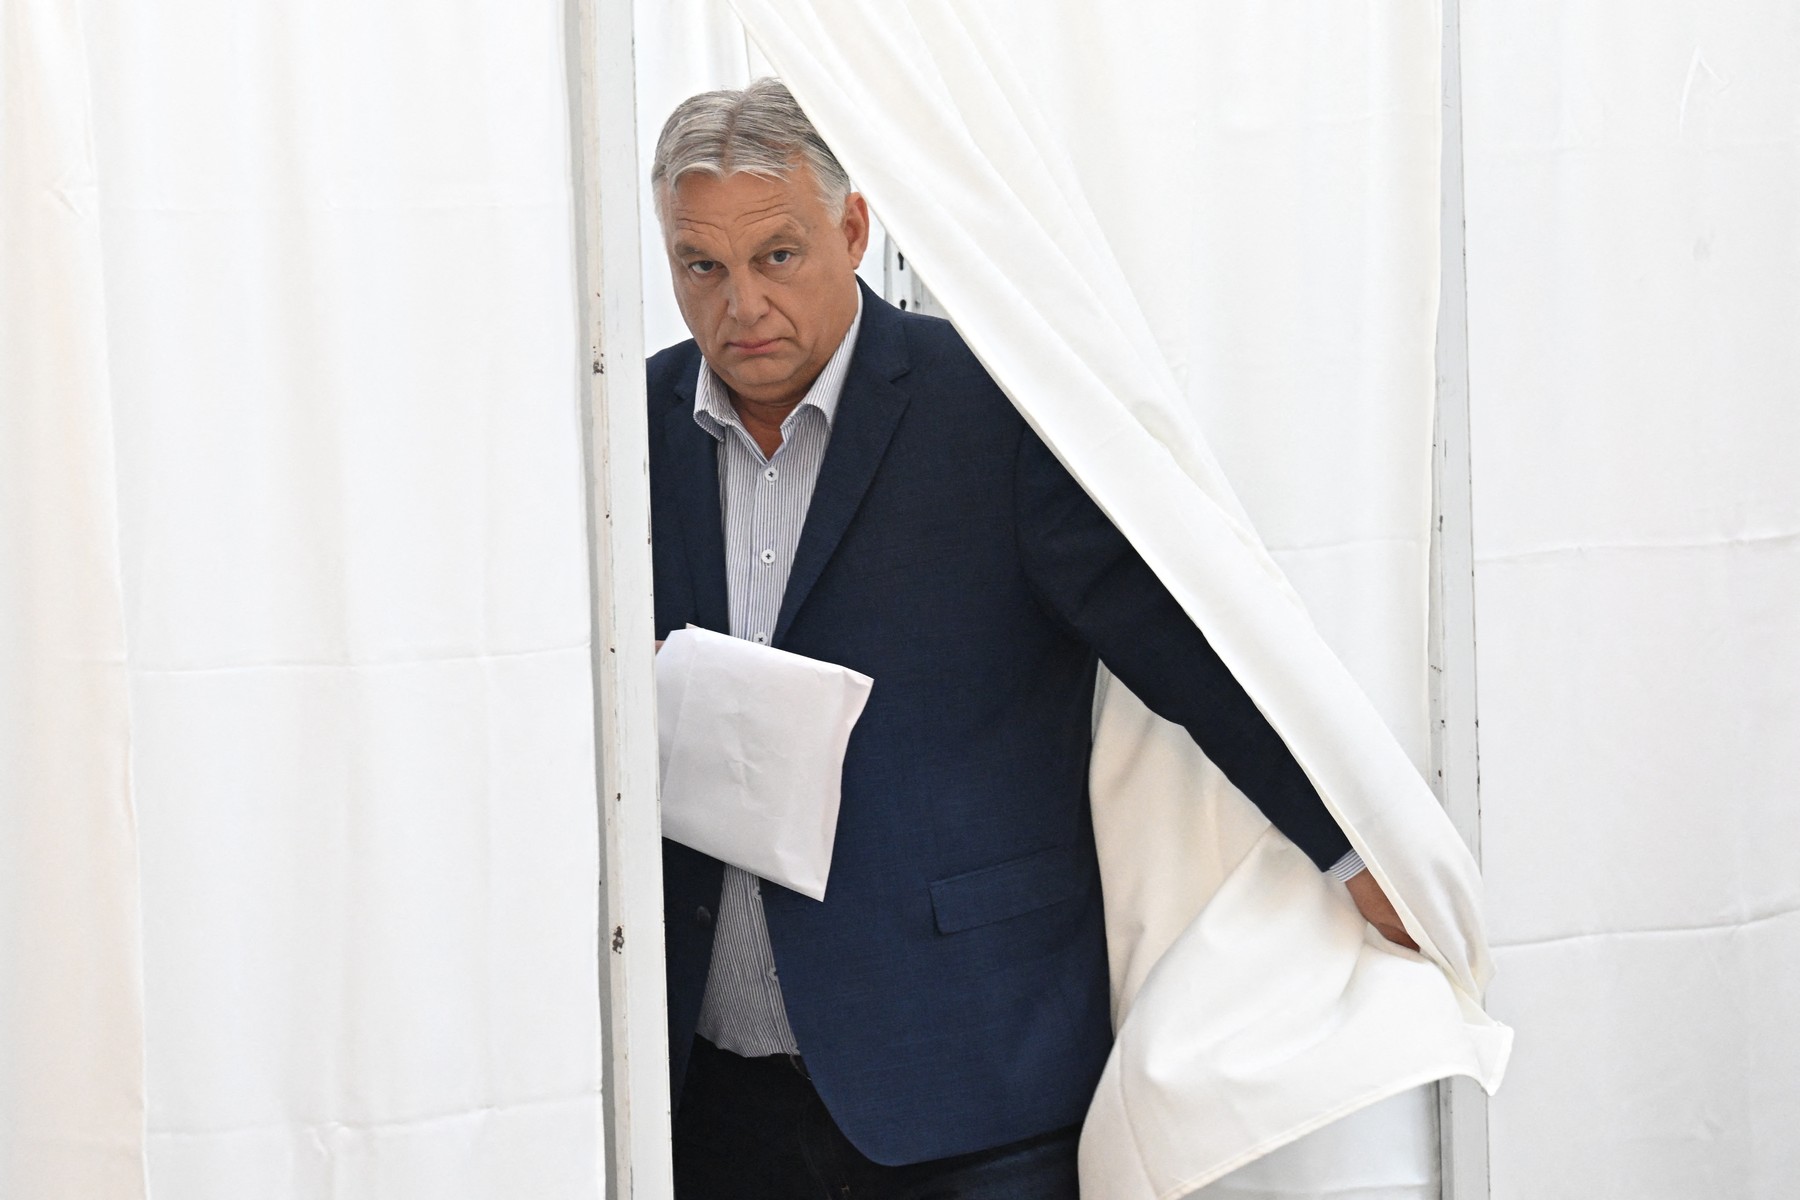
x,y
765,279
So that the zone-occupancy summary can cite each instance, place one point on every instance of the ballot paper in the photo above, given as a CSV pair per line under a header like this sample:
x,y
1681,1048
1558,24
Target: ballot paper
x,y
752,742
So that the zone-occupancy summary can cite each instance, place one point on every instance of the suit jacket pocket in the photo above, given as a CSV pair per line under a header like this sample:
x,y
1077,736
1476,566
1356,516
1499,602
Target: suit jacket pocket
x,y
1007,889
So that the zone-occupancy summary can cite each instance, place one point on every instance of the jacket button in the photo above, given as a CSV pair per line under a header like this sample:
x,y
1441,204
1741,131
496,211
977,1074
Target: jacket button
x,y
703,916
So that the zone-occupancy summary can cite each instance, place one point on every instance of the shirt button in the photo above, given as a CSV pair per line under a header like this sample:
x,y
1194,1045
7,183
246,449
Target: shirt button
x,y
772,974
771,474
761,639
767,556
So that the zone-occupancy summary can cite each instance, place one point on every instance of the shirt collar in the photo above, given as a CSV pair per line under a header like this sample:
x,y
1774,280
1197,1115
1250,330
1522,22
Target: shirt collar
x,y
712,402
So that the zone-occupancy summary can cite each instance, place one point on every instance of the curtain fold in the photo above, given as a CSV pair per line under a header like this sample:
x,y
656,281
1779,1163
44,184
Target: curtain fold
x,y
1209,911
314,339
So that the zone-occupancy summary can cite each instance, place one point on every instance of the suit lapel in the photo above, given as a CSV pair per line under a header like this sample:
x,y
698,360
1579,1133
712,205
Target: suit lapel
x,y
695,478
867,414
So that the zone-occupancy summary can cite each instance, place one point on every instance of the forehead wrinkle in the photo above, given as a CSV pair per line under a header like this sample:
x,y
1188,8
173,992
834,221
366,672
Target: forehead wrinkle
x,y
788,226
775,197
786,231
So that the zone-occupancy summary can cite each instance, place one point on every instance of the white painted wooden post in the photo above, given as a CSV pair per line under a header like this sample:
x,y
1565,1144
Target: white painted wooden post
x,y
633,1003
1455,742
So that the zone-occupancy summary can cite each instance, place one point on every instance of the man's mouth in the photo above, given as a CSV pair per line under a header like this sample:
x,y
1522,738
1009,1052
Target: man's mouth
x,y
765,346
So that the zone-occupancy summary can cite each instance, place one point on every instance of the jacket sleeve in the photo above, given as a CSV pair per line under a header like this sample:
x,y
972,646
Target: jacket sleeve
x,y
1091,580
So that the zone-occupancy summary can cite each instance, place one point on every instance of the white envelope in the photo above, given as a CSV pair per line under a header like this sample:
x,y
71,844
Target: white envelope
x,y
753,742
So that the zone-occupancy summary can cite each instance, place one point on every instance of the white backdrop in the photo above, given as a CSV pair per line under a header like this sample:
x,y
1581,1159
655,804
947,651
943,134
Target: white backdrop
x,y
291,289
1633,181
71,1010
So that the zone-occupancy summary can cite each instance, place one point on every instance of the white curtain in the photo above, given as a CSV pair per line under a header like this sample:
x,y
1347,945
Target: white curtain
x,y
295,703
1633,189
1239,206
71,988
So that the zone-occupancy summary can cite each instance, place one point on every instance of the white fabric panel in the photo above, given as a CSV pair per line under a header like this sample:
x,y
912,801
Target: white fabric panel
x,y
1658,1064
1387,1151
343,355
1634,294
1265,176
944,132
71,1019
1285,248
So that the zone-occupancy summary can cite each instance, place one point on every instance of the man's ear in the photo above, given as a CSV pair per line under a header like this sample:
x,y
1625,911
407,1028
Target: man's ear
x,y
856,227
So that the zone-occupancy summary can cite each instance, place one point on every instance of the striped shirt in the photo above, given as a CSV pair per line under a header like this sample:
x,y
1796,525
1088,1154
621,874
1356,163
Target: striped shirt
x,y
762,504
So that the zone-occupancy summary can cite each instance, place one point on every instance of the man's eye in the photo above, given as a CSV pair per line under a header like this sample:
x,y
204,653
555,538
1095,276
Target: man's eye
x,y
781,257
703,266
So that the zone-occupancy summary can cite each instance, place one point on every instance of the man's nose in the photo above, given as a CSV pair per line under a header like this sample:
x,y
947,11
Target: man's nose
x,y
746,299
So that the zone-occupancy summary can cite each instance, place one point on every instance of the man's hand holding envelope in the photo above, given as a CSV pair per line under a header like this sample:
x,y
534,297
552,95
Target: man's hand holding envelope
x,y
752,742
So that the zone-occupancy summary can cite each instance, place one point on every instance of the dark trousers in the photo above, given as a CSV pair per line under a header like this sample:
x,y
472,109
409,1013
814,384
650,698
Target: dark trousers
x,y
754,1129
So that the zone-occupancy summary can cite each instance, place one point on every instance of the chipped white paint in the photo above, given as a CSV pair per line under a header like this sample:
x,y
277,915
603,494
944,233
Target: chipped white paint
x,y
1456,776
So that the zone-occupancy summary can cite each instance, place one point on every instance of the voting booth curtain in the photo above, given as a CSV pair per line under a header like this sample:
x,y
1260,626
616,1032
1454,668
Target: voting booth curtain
x,y
1633,182
71,995
297,845
298,854
1222,234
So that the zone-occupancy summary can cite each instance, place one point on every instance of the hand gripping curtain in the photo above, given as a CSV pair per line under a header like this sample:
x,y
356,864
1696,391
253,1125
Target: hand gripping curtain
x,y
1252,1003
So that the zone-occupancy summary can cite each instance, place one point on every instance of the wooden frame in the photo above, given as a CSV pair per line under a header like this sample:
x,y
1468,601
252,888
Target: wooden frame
x,y
633,1000
1455,724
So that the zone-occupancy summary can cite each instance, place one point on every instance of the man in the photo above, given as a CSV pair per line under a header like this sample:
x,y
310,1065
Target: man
x,y
843,480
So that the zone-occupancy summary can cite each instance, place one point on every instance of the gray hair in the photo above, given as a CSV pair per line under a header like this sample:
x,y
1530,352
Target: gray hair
x,y
757,131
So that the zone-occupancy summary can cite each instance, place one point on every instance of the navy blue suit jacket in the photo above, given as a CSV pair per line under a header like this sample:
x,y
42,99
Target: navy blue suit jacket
x,y
950,993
